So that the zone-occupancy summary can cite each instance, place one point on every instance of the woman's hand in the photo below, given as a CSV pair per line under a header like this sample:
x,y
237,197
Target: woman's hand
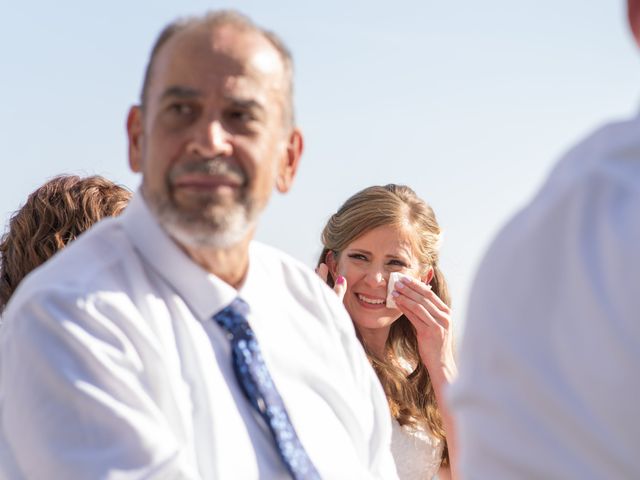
x,y
340,285
431,318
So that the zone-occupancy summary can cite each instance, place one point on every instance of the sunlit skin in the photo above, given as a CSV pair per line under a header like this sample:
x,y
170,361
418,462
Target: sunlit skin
x,y
366,264
633,11
215,93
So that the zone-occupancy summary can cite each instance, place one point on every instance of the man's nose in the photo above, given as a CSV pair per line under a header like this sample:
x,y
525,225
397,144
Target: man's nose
x,y
211,140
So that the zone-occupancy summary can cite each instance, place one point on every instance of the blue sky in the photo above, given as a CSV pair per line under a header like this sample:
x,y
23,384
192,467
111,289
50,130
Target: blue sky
x,y
470,103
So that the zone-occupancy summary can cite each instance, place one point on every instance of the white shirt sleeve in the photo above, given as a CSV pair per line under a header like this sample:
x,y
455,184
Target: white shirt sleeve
x,y
81,403
381,462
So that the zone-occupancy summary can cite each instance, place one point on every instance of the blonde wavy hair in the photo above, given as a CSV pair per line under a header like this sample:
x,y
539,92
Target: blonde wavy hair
x,y
54,215
410,395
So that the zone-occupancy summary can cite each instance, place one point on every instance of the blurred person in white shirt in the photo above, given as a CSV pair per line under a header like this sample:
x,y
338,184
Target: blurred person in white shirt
x,y
548,384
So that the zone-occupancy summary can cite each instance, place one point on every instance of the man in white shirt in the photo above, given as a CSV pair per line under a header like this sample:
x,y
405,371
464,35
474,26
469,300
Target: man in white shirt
x,y
548,385
111,362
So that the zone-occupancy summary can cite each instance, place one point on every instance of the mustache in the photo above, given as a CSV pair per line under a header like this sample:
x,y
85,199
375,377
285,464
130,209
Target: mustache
x,y
214,166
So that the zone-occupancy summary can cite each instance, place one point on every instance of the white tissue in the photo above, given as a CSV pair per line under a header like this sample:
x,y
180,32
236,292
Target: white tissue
x,y
393,278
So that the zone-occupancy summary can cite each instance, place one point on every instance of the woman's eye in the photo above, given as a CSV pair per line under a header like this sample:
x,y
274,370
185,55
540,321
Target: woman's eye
x,y
398,263
357,256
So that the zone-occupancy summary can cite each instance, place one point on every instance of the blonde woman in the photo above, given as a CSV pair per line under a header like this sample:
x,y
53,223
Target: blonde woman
x,y
380,230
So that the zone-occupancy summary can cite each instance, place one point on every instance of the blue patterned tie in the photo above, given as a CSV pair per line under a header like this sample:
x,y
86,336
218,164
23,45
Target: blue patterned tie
x,y
259,389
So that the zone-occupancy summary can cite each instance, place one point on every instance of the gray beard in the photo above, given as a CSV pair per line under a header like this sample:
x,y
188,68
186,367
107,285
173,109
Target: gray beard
x,y
212,229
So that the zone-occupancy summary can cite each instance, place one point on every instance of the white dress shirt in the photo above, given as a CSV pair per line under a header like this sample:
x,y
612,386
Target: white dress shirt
x,y
549,384
112,367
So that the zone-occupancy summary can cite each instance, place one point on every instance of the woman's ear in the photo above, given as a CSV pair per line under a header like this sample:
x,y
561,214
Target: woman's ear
x,y
330,260
426,278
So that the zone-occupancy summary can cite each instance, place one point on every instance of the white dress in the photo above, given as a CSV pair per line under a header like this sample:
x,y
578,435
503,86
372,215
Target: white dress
x,y
417,454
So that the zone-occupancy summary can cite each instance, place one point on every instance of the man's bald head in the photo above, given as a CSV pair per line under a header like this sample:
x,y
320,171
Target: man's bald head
x,y
212,21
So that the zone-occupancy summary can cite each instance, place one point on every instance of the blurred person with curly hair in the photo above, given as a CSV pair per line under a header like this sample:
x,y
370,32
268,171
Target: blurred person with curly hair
x,y
54,215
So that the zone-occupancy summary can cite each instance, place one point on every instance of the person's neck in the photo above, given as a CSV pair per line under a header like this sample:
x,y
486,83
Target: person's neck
x,y
229,264
375,340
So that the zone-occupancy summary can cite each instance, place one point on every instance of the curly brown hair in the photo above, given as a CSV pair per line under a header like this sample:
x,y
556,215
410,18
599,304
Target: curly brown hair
x,y
54,215
411,396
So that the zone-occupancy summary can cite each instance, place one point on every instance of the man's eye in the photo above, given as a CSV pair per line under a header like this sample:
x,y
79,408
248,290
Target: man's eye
x,y
181,109
240,115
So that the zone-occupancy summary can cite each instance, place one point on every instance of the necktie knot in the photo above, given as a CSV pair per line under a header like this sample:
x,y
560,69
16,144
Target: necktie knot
x,y
233,318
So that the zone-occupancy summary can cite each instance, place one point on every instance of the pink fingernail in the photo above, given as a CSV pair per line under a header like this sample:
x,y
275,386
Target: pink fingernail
x,y
395,294
340,280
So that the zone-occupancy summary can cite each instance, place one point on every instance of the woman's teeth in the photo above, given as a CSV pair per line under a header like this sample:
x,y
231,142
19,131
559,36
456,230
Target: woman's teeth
x,y
371,301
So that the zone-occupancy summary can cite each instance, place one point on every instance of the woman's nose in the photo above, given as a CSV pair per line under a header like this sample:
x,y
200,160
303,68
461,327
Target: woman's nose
x,y
376,278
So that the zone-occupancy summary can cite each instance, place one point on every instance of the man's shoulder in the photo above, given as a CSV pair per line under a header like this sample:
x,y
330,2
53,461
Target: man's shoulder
x,y
89,264
607,159
278,263
268,254
587,204
283,270
293,278
611,152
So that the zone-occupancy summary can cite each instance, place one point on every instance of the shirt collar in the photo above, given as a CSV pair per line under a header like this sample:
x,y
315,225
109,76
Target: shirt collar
x,y
203,292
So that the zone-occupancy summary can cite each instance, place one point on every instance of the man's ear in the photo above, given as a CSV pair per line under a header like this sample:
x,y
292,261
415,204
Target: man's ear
x,y
134,133
633,14
290,161
426,278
